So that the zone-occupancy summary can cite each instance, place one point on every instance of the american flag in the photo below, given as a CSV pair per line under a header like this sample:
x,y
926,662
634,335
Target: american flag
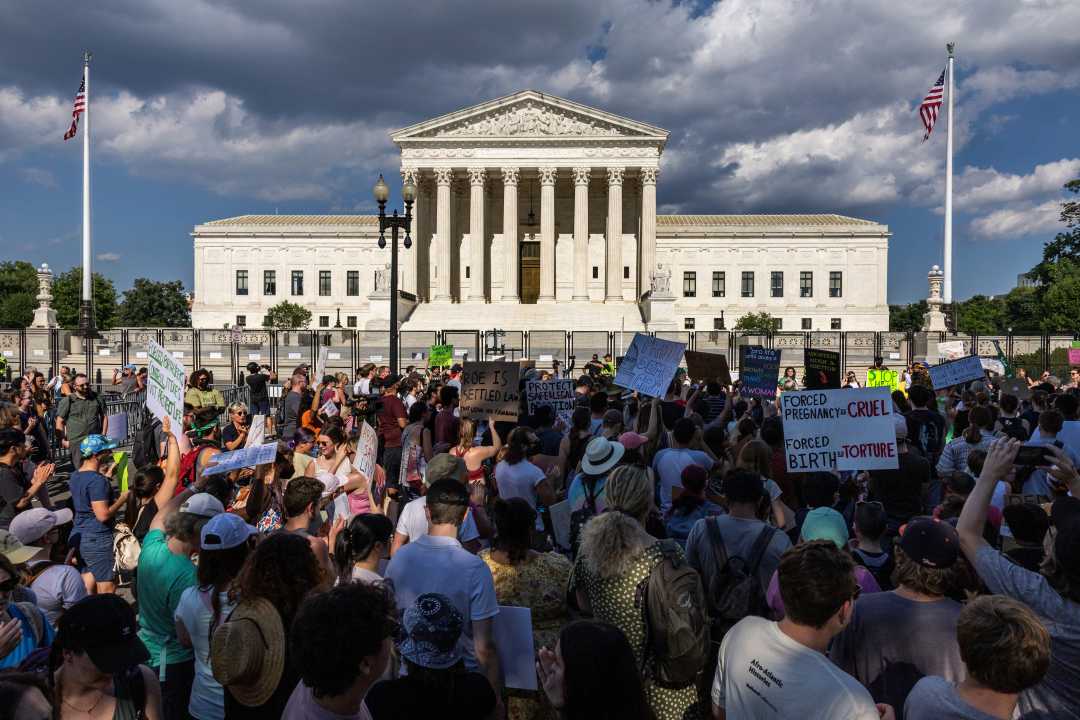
x,y
80,106
929,108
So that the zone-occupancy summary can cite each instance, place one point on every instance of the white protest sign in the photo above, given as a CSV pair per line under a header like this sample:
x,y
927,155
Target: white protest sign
x,y
993,365
559,394
952,350
849,429
956,372
649,365
329,408
366,450
560,523
245,457
165,387
256,431
512,629
320,364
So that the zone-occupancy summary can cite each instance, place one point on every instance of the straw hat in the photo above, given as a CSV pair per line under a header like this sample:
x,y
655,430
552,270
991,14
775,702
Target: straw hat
x,y
247,652
601,455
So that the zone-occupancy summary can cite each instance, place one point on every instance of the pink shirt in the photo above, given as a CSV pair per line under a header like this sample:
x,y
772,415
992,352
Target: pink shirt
x,y
302,706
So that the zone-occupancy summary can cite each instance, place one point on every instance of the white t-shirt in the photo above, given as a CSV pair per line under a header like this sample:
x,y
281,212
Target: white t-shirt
x,y
207,696
762,674
432,563
413,522
518,481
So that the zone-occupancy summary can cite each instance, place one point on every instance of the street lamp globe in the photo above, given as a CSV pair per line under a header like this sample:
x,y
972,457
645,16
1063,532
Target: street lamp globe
x,y
381,191
408,191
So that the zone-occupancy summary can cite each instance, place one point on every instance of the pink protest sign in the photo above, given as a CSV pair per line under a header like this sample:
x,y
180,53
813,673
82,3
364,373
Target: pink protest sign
x,y
1074,356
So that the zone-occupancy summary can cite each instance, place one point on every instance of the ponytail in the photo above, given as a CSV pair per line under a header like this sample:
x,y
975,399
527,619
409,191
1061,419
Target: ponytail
x,y
979,419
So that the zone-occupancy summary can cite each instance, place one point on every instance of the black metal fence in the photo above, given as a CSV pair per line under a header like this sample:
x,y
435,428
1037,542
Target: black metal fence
x,y
225,353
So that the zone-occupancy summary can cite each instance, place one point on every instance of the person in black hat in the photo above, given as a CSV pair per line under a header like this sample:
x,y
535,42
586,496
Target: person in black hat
x,y
97,663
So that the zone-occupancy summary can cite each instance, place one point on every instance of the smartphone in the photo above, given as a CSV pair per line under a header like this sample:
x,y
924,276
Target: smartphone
x,y
1033,455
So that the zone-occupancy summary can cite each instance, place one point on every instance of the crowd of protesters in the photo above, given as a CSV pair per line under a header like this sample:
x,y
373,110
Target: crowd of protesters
x,y
673,567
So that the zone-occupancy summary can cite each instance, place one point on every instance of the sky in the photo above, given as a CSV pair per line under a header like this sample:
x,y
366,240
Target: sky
x,y
205,110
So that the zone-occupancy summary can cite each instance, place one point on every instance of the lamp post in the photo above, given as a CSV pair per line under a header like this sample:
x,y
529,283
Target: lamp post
x,y
394,222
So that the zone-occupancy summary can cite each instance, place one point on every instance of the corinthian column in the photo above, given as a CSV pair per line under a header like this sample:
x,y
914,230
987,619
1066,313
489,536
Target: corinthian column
x,y
477,176
648,229
510,233
412,260
581,232
613,271
443,178
548,176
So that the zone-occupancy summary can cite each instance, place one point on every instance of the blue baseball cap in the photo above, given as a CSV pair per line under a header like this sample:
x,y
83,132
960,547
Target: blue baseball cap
x,y
91,445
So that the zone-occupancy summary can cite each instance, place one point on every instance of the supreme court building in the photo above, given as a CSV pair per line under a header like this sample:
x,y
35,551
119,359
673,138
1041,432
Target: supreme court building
x,y
538,213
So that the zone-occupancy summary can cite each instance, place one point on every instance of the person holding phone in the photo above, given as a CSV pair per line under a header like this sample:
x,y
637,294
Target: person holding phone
x,y
1031,459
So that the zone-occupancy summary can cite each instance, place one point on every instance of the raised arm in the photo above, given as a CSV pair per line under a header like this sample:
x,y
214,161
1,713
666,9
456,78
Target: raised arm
x,y
172,466
999,460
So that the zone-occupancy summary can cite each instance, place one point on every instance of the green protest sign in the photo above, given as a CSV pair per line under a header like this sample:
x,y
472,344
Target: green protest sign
x,y
441,356
883,378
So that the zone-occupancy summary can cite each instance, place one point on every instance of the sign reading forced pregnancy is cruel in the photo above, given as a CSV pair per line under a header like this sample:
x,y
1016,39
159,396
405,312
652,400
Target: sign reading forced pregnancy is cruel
x,y
851,429
491,390
165,387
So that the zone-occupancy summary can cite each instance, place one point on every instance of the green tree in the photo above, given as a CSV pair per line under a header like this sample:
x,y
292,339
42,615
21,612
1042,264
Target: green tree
x,y
1060,297
287,316
980,315
155,304
1065,245
1022,311
18,288
907,318
761,322
67,294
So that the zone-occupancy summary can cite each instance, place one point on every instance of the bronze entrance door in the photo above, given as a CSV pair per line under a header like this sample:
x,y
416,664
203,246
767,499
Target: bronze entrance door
x,y
530,272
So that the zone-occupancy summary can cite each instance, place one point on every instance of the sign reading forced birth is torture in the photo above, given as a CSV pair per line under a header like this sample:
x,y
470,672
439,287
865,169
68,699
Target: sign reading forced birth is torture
x,y
851,429
649,365
490,390
165,387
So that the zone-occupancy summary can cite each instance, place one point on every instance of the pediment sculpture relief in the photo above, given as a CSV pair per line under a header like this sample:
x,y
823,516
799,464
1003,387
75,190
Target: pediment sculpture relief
x,y
530,119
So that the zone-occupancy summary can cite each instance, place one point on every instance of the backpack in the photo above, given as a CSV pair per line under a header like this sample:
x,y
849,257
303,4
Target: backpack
x,y
579,517
189,467
126,548
1014,428
735,591
145,452
676,619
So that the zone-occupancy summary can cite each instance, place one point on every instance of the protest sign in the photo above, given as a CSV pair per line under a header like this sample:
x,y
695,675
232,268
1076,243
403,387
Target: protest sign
x,y
1017,387
880,377
256,431
649,365
759,369
850,429
165,387
952,350
955,372
118,427
440,356
822,369
1074,356
993,365
245,457
329,408
512,629
366,451
320,365
558,394
704,366
489,390
560,523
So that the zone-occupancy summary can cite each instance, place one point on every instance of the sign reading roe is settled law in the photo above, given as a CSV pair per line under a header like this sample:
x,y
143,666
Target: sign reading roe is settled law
x,y
851,429
491,390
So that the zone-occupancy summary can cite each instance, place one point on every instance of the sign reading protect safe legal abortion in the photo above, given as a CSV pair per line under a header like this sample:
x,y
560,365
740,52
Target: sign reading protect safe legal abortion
x,y
490,390
165,387
849,429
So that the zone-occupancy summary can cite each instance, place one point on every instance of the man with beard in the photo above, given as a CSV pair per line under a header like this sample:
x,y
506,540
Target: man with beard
x,y
80,414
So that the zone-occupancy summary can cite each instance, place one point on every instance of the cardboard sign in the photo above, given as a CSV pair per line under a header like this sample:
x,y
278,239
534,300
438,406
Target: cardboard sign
x,y
245,457
512,629
489,390
366,451
822,369
704,366
1017,387
879,377
256,431
165,387
1074,356
558,394
956,372
649,365
440,356
759,369
850,429
560,523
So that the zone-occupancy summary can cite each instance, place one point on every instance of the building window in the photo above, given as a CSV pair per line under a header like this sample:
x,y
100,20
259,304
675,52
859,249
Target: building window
x,y
352,282
688,324
719,284
324,283
467,274
297,282
806,284
625,272
776,284
807,324
836,283
324,321
595,272
748,283
834,323
241,320
269,282
689,284
718,324
241,282
350,321
779,323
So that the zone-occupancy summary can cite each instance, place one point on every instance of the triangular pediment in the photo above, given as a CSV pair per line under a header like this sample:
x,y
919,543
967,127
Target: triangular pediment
x,y
529,115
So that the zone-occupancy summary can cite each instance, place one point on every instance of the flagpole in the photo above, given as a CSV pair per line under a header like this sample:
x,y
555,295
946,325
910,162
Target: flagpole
x,y
948,183
86,308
